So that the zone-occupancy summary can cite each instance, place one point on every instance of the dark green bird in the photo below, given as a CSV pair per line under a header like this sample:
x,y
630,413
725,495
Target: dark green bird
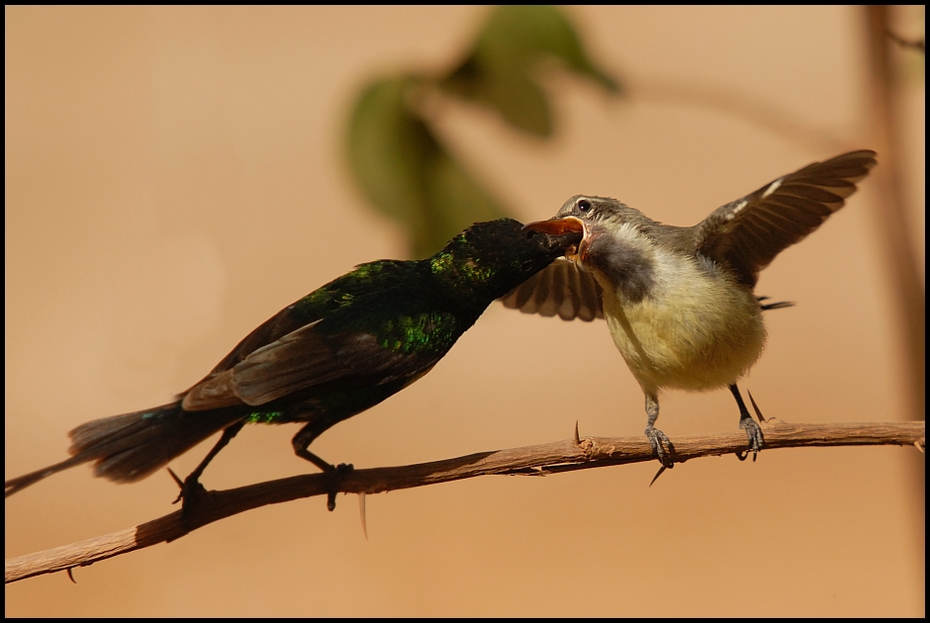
x,y
336,352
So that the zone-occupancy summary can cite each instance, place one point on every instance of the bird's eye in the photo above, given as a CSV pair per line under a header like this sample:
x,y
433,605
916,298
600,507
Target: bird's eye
x,y
583,205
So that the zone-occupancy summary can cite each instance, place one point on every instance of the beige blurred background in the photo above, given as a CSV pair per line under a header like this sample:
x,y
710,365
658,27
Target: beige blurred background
x,y
176,176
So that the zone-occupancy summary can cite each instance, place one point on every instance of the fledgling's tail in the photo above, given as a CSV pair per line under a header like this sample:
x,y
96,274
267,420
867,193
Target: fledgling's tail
x,y
768,306
129,447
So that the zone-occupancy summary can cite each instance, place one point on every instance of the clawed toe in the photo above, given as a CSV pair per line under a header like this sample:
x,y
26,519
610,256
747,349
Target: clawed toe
x,y
658,439
754,436
334,475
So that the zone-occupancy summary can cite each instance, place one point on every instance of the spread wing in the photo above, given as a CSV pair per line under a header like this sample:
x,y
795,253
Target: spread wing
x,y
748,233
561,288
309,357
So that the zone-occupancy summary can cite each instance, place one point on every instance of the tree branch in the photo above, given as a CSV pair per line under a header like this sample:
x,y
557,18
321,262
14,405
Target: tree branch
x,y
749,107
539,460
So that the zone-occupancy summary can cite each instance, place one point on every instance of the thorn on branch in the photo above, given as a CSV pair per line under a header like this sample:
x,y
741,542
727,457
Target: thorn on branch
x,y
361,512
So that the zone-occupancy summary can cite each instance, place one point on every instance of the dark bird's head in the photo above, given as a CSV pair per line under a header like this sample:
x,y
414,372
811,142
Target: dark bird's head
x,y
489,259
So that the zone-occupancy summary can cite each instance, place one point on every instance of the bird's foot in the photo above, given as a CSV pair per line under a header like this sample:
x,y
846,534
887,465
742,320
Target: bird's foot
x,y
755,437
333,473
657,439
190,494
334,476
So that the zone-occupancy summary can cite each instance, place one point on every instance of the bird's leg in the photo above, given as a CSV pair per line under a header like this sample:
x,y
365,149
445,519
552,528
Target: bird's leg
x,y
191,487
655,436
334,473
753,430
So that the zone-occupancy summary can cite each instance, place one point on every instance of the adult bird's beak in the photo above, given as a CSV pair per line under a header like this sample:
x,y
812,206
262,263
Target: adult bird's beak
x,y
560,226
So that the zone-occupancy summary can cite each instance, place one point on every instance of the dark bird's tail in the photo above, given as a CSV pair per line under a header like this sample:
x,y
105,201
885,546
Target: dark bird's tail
x,y
129,447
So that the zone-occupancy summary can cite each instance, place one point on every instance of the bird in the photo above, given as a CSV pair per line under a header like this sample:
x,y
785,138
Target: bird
x,y
334,353
679,301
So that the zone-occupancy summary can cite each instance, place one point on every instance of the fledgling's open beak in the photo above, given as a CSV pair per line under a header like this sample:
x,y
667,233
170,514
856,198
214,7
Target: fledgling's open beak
x,y
558,226
561,225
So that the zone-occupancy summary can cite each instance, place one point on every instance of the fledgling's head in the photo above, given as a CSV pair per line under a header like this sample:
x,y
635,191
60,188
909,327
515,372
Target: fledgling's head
x,y
599,210
594,217
617,242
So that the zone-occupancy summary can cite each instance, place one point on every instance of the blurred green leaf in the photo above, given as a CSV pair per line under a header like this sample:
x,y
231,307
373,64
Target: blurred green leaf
x,y
521,35
407,173
523,105
500,70
397,160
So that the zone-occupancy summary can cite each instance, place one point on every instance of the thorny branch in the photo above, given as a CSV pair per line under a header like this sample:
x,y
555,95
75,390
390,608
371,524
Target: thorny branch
x,y
539,460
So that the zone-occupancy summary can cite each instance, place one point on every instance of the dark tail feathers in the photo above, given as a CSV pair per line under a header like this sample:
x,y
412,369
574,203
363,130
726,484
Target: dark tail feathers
x,y
129,447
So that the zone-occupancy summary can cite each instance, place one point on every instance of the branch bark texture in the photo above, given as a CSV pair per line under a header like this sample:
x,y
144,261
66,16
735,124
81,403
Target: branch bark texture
x,y
539,460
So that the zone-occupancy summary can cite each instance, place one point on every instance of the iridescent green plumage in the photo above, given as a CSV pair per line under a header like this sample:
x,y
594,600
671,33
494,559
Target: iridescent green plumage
x,y
332,354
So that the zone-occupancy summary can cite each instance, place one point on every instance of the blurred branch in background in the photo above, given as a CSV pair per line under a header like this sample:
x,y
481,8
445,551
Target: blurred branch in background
x,y
891,221
402,166
906,286
540,460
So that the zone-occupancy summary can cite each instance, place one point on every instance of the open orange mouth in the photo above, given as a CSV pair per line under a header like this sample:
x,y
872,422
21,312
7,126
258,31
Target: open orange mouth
x,y
564,225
